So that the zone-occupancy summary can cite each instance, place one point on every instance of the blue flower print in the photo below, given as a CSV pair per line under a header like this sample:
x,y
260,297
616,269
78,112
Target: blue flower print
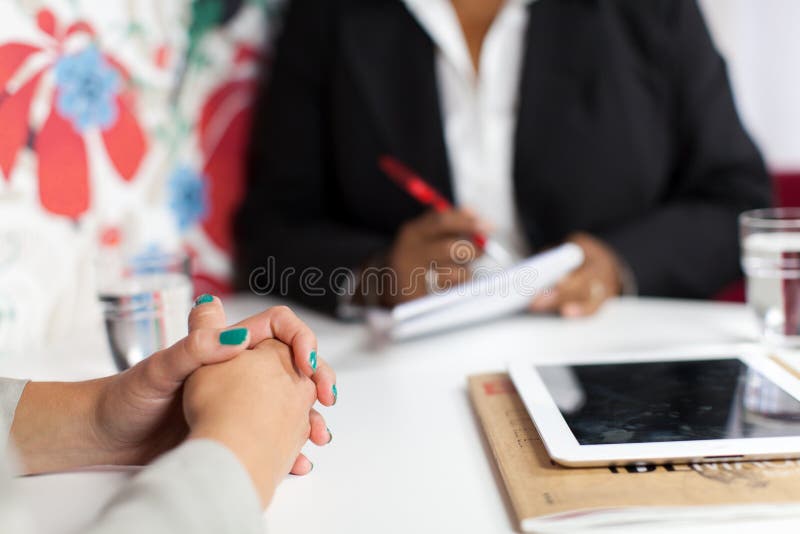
x,y
87,89
188,198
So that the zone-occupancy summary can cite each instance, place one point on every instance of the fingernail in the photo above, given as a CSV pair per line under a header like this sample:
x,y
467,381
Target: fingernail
x,y
330,434
312,360
335,393
235,336
312,466
205,298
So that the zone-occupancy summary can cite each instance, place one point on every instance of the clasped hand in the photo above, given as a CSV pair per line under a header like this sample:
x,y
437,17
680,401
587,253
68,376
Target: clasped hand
x,y
252,390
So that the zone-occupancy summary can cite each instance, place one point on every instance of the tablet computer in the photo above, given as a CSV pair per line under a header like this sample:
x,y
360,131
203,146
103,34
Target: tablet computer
x,y
725,407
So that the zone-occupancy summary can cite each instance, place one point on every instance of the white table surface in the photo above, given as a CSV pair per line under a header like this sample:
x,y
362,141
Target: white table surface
x,y
408,455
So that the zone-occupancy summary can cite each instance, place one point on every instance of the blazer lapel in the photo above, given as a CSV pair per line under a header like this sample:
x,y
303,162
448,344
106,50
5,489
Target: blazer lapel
x,y
393,62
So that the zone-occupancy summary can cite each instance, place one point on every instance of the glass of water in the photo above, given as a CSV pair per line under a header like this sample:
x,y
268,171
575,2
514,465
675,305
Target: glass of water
x,y
146,301
770,240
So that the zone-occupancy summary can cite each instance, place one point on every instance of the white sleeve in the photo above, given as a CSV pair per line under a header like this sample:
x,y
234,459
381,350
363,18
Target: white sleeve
x,y
200,487
14,515
10,392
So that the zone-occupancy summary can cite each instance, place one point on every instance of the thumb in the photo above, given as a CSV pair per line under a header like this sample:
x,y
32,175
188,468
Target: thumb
x,y
165,371
207,312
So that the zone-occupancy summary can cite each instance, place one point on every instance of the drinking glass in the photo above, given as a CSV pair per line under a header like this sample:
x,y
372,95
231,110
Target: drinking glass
x,y
146,301
770,243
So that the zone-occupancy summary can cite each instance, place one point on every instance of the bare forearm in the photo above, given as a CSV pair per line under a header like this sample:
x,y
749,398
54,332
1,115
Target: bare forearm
x,y
52,428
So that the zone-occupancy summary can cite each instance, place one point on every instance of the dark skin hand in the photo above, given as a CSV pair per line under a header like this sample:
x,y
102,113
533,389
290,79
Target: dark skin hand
x,y
583,291
440,242
432,241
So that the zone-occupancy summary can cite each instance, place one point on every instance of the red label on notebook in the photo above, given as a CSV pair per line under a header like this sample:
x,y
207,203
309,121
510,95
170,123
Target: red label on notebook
x,y
503,386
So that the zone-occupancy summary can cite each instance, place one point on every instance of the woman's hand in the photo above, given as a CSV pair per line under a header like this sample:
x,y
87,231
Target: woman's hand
x,y
139,411
282,324
583,291
132,417
433,240
260,407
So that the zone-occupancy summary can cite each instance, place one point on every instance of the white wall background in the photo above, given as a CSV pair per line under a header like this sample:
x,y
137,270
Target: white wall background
x,y
761,42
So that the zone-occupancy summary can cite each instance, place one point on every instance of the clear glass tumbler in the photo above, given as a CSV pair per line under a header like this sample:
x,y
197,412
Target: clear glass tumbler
x,y
146,301
770,243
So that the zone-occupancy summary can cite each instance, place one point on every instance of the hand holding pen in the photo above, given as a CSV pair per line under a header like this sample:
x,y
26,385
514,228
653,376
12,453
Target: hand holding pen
x,y
413,184
445,238
432,243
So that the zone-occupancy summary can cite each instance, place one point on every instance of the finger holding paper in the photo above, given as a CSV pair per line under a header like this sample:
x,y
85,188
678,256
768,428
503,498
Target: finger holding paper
x,y
583,291
481,299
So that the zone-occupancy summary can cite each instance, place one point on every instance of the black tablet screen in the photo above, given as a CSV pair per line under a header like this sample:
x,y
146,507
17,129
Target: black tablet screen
x,y
670,401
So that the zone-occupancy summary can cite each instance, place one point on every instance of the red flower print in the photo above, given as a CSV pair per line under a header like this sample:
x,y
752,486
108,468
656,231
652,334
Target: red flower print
x,y
91,90
224,129
63,168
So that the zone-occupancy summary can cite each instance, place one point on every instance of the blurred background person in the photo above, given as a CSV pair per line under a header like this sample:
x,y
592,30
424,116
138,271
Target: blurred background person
x,y
610,124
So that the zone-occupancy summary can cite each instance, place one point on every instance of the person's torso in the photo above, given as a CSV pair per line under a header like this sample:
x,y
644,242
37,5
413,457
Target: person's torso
x,y
593,139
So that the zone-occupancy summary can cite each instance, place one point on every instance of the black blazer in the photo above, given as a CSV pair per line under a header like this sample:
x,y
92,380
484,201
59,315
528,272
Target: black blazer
x,y
626,130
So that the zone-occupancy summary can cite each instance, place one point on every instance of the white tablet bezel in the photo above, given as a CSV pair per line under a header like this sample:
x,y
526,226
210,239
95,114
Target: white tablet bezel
x,y
563,448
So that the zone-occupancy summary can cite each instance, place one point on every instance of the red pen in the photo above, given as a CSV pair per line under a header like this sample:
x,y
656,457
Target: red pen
x,y
418,188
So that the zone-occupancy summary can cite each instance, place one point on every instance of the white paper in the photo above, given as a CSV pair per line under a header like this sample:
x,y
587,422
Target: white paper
x,y
489,295
633,519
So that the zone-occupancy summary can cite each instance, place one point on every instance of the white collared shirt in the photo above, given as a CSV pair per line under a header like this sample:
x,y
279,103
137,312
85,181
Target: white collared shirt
x,y
479,110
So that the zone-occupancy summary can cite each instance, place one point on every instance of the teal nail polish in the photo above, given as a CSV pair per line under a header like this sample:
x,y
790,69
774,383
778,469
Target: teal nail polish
x,y
330,434
312,360
335,393
205,298
235,336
